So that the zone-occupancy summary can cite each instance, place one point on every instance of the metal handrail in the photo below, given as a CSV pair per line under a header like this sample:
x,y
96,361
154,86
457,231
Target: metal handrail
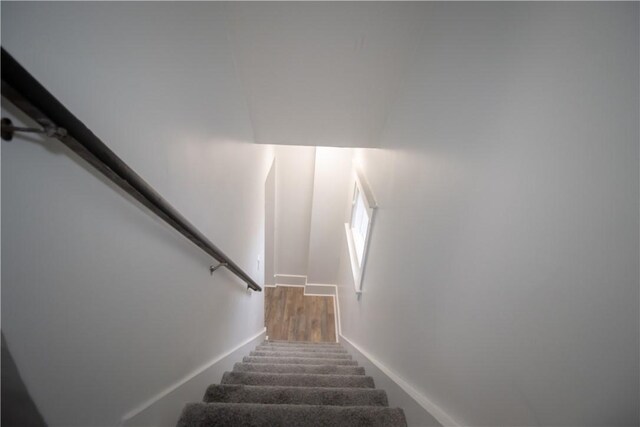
x,y
26,93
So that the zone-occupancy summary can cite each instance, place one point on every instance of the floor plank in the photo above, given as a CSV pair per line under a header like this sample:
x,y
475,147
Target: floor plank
x,y
292,316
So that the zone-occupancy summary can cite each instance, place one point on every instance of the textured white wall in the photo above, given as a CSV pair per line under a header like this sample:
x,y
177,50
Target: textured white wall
x,y
331,188
502,279
104,305
294,191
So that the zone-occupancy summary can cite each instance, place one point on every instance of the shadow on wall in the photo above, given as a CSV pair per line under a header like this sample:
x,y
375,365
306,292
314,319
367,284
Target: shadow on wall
x,y
18,409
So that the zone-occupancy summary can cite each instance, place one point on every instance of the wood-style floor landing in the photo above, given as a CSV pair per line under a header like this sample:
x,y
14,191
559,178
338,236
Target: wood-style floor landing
x,y
292,316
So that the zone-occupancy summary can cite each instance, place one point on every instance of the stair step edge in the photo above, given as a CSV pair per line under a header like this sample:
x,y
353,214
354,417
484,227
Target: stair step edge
x,y
338,396
298,368
294,380
299,360
200,414
301,354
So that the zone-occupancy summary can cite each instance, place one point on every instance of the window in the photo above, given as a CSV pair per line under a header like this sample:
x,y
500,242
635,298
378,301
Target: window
x,y
359,227
359,223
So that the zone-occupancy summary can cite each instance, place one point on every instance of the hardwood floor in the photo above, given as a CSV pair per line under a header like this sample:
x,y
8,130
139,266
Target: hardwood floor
x,y
292,316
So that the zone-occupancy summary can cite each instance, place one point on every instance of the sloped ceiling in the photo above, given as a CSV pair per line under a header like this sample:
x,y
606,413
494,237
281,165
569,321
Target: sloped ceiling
x,y
322,73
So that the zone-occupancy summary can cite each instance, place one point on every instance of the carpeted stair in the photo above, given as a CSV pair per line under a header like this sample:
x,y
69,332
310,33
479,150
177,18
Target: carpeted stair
x,y
290,383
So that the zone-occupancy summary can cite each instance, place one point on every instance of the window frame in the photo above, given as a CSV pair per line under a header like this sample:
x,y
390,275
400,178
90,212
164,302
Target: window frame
x,y
360,187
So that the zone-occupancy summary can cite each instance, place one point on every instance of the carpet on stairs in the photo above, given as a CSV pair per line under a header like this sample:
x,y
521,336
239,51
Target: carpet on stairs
x,y
293,383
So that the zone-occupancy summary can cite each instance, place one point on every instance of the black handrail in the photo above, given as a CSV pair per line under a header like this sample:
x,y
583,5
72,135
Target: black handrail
x,y
26,93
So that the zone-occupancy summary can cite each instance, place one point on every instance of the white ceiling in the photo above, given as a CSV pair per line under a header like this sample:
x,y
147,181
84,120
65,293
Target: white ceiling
x,y
322,73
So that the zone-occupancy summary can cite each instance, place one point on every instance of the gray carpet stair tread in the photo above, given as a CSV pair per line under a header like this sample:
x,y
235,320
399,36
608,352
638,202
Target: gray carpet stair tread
x,y
301,349
260,415
298,360
294,383
301,342
305,352
284,368
236,393
293,380
322,355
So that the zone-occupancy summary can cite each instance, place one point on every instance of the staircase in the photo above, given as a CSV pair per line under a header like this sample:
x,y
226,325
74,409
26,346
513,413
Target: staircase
x,y
290,383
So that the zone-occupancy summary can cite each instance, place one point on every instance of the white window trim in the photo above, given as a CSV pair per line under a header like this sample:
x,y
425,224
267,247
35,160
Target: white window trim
x,y
357,269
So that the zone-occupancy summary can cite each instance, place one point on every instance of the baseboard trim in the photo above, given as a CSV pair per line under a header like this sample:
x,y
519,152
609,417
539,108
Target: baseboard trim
x,y
435,411
320,289
337,312
290,279
147,404
329,293
336,316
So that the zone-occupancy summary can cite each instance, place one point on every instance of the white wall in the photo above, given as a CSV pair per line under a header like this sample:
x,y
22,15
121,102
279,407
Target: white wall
x,y
330,190
502,281
164,410
312,184
270,225
103,305
294,190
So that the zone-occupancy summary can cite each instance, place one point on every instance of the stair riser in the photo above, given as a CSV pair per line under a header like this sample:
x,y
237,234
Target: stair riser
x,y
240,415
298,361
300,354
229,393
300,342
297,380
319,345
300,349
298,369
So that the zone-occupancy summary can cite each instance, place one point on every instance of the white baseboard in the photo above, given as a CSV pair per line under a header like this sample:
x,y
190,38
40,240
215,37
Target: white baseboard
x,y
310,289
337,311
336,316
284,286
168,412
425,403
320,289
290,279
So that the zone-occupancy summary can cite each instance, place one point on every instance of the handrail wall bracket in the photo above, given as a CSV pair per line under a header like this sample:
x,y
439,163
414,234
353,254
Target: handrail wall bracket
x,y
8,129
213,268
